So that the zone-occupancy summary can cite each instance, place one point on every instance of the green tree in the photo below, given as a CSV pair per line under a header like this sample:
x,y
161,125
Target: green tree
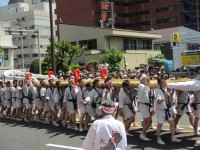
x,y
74,66
113,57
155,63
34,68
65,54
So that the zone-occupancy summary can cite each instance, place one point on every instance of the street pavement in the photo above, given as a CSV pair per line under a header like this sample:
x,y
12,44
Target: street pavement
x,y
20,135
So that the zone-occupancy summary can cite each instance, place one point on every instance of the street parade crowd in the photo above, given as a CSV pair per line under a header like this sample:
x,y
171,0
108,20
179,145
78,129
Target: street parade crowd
x,y
50,101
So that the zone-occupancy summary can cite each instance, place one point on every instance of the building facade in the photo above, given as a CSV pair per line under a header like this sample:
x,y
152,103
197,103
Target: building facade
x,y
6,48
143,15
189,42
29,17
136,46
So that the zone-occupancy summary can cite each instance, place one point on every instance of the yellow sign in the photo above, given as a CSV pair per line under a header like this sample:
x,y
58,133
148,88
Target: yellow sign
x,y
176,37
190,60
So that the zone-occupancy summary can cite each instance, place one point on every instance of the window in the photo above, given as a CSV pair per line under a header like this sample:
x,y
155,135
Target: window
x,y
5,54
26,55
172,19
34,55
73,43
145,44
92,44
172,8
129,44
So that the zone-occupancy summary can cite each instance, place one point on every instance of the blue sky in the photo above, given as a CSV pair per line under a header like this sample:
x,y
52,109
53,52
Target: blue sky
x,y
3,2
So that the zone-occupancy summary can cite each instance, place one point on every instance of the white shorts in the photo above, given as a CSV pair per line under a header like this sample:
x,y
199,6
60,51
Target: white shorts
x,y
18,103
52,105
162,119
38,103
127,112
97,110
8,103
70,107
90,110
58,105
14,102
27,103
82,108
144,110
173,110
3,102
197,113
184,111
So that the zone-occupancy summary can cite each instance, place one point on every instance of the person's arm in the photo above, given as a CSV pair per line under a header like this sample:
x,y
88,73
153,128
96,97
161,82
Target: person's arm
x,y
159,96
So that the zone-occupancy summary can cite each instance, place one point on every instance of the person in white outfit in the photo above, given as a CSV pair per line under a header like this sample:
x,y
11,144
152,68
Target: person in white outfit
x,y
82,106
126,103
163,105
70,100
196,106
58,100
145,105
27,100
49,102
94,99
8,98
37,99
19,100
2,95
183,107
106,133
45,105
13,90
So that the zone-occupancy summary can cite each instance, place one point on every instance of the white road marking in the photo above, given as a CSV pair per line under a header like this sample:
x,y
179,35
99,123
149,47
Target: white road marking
x,y
63,146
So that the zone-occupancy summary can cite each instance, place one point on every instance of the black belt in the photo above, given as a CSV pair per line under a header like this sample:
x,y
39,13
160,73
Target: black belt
x,y
37,97
30,99
184,105
148,104
167,113
194,105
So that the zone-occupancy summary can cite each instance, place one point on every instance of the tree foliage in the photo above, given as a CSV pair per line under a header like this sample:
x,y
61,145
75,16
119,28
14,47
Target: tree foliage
x,y
113,57
65,54
34,68
155,63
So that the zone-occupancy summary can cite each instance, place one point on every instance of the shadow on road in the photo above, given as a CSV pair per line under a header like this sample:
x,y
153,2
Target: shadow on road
x,y
188,139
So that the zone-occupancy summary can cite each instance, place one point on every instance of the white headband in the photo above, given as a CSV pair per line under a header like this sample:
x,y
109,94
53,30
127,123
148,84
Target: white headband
x,y
70,80
109,81
142,76
108,110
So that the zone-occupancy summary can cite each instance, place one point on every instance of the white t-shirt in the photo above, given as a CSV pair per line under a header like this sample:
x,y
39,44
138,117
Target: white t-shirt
x,y
106,133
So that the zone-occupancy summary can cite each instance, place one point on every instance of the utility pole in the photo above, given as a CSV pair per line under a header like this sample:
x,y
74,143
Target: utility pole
x,y
52,38
112,14
197,9
39,52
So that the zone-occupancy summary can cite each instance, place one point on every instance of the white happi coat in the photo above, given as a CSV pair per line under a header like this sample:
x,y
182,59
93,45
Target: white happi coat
x,y
143,93
43,92
49,97
109,95
106,133
2,95
68,96
8,94
93,95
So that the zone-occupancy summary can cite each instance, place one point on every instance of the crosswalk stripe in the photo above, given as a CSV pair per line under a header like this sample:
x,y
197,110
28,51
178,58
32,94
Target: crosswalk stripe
x,y
65,147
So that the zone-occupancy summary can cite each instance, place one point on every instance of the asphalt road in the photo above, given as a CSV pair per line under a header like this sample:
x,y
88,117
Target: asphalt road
x,y
19,135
